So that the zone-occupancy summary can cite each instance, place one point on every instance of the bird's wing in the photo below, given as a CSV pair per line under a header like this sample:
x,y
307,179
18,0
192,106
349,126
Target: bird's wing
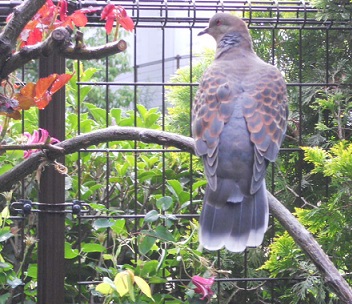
x,y
266,113
264,103
212,109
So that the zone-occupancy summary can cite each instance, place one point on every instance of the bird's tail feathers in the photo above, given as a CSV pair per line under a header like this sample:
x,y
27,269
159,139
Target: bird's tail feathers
x,y
234,225
260,217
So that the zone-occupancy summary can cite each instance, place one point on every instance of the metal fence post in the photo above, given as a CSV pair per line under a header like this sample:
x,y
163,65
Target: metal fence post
x,y
51,226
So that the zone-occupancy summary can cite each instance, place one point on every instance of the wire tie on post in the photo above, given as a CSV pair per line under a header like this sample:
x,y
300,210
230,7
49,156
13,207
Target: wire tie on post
x,y
25,207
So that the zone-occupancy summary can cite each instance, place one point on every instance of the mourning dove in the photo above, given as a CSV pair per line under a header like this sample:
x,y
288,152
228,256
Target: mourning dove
x,y
238,123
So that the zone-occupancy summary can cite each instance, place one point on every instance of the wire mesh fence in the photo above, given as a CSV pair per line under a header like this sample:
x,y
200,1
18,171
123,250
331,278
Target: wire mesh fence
x,y
138,204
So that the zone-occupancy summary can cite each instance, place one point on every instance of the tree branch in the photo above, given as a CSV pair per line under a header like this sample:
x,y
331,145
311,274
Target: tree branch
x,y
21,15
59,41
310,246
302,237
31,147
82,141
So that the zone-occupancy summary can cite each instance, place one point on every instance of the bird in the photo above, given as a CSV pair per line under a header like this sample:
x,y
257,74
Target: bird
x,y
239,120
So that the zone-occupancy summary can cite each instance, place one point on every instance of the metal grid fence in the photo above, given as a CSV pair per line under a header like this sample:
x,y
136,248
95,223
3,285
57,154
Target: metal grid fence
x,y
164,40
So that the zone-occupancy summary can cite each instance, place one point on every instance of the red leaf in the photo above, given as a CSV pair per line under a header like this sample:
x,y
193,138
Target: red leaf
x,y
24,102
67,22
63,10
108,25
127,23
79,18
121,12
28,90
108,12
34,37
43,101
60,81
31,25
43,85
46,14
124,20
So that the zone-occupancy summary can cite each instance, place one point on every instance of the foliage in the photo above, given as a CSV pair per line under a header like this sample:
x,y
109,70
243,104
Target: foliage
x,y
103,96
329,221
180,97
123,285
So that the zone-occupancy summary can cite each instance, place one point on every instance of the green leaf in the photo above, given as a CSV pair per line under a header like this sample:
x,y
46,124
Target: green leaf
x,y
146,175
104,289
123,283
164,203
143,286
151,120
102,223
91,247
157,280
69,252
199,183
163,234
116,115
88,74
119,226
107,257
149,268
5,266
99,207
174,187
4,297
5,234
5,213
98,114
142,111
146,244
5,167
151,216
32,271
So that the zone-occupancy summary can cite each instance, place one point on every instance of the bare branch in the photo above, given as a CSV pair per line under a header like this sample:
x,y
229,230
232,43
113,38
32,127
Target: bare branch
x,y
88,53
302,237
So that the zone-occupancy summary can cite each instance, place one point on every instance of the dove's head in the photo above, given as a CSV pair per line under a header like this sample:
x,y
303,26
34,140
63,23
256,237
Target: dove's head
x,y
222,24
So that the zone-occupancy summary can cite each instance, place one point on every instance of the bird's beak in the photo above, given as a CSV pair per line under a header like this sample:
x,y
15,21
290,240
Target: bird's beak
x,y
205,31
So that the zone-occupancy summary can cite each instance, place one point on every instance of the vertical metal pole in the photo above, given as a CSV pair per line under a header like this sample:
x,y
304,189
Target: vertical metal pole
x,y
51,226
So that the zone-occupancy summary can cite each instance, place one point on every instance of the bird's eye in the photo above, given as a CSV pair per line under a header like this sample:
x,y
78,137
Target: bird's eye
x,y
218,22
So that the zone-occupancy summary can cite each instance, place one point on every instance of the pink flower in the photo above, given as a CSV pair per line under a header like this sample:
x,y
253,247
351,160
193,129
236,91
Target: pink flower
x,y
203,286
40,136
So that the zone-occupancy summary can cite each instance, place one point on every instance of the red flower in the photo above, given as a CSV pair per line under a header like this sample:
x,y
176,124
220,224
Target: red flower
x,y
203,286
